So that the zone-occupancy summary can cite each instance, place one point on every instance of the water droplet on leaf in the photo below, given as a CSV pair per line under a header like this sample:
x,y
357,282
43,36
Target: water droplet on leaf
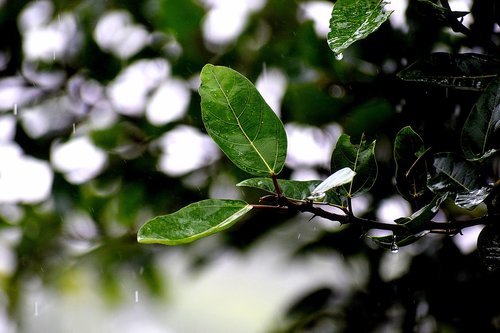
x,y
339,56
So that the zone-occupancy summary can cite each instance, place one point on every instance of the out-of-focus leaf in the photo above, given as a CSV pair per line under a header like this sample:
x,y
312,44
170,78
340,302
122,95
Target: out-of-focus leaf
x,y
461,178
192,222
468,71
241,123
488,246
293,189
411,170
352,20
481,131
368,117
361,159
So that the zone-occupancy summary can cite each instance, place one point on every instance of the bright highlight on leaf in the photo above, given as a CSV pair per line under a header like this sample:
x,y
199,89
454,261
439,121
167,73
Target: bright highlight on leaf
x,y
353,20
340,177
241,123
192,222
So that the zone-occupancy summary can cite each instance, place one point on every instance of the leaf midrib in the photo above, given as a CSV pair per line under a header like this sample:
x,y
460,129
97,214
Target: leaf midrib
x,y
271,171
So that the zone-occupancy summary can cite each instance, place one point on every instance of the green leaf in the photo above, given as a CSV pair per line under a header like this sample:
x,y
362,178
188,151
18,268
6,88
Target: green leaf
x,y
293,189
361,159
468,71
340,177
192,222
353,20
391,242
411,170
461,178
481,131
424,214
241,123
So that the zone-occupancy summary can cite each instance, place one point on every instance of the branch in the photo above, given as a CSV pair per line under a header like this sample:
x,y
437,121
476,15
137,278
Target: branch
x,y
288,205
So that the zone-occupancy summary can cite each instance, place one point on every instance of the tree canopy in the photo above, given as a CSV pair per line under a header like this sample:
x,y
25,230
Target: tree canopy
x,y
170,121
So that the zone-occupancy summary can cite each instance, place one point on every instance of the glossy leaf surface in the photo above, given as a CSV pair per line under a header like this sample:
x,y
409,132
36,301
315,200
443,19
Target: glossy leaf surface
x,y
241,123
352,20
358,157
192,222
462,179
411,170
467,71
481,131
293,189
424,214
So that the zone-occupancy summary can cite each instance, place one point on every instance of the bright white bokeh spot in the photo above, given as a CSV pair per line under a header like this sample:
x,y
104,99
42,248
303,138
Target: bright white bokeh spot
x,y
272,84
23,178
393,208
186,149
310,146
49,42
115,32
319,12
169,102
467,242
7,128
226,19
128,93
398,16
78,159
35,15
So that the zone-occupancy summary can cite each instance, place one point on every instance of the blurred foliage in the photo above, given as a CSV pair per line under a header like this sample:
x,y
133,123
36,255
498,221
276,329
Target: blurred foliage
x,y
443,290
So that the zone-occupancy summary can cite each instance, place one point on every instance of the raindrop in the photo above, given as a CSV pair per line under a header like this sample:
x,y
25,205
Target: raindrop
x,y
298,237
15,109
394,246
74,128
137,296
36,308
339,56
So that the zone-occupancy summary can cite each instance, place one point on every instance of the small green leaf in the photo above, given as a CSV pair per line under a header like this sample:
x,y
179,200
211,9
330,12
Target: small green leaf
x,y
192,222
424,214
411,170
467,71
462,179
293,189
481,131
352,20
241,123
361,159
340,177
391,242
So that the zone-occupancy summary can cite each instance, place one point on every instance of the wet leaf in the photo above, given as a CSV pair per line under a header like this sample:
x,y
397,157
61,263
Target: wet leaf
x,y
352,20
391,242
340,177
481,131
192,222
411,169
468,71
424,214
241,123
293,189
358,157
462,179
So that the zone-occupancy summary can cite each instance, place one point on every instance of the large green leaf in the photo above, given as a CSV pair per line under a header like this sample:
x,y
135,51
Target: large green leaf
x,y
467,71
353,20
241,123
424,214
293,189
462,179
192,222
361,159
411,170
481,131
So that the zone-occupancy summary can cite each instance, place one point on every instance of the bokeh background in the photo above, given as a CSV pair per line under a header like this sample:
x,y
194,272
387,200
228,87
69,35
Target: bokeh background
x,y
100,130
